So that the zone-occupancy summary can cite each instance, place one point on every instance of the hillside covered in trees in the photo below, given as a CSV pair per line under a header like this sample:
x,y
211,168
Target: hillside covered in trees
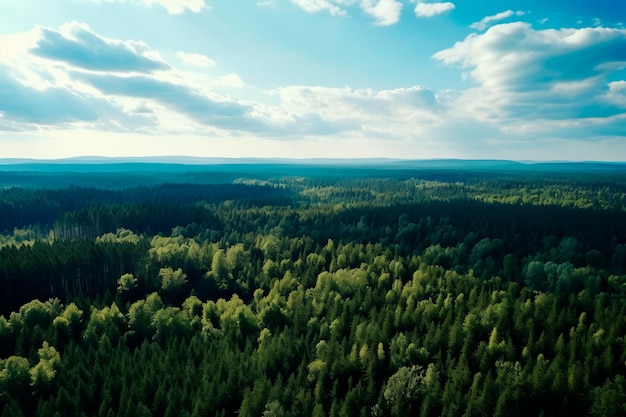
x,y
444,288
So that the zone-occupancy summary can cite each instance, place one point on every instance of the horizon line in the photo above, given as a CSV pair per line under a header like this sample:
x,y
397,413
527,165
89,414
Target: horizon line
x,y
181,159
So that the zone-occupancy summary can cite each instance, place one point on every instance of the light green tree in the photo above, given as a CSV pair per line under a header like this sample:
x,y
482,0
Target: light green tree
x,y
172,280
126,283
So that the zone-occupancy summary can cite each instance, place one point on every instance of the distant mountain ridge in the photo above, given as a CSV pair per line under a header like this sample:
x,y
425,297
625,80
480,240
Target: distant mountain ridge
x,y
200,160
192,160
180,164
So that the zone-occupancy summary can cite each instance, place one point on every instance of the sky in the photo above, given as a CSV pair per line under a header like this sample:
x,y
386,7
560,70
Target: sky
x,y
410,79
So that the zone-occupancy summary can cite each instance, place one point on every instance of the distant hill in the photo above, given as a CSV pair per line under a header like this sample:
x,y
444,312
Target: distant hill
x,y
326,162
115,173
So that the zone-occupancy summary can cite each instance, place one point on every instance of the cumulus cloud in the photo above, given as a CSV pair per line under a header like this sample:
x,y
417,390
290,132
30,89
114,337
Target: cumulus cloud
x,y
316,6
385,12
171,6
432,9
522,73
180,6
55,105
77,45
141,91
358,103
206,109
112,84
22,106
231,80
488,20
213,110
197,60
384,114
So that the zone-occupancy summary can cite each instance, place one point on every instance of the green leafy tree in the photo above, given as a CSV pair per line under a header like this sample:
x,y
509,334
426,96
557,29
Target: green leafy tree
x,y
141,316
173,284
126,283
15,376
43,373
404,389
172,280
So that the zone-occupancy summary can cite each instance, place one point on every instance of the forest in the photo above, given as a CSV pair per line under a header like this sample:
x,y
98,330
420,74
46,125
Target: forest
x,y
444,288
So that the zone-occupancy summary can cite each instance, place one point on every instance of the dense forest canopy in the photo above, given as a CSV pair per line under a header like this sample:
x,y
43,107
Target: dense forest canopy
x,y
451,288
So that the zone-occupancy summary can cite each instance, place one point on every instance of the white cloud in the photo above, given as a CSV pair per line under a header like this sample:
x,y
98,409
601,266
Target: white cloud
x,y
231,80
316,6
171,6
385,12
76,44
57,80
524,74
487,20
197,60
180,6
432,9
44,98
73,76
386,114
360,103
616,93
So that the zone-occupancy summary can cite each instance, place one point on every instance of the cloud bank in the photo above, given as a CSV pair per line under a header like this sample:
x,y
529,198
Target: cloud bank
x,y
552,87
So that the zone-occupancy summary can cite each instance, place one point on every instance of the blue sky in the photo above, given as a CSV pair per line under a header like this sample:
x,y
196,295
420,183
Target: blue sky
x,y
314,78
